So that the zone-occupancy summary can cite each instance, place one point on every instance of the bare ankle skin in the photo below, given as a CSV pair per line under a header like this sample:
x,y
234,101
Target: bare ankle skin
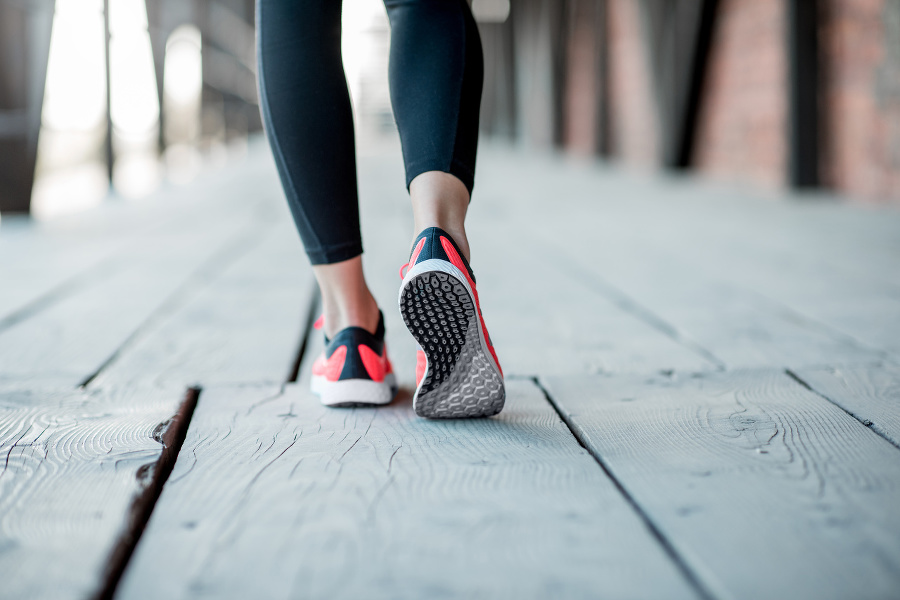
x,y
441,200
346,298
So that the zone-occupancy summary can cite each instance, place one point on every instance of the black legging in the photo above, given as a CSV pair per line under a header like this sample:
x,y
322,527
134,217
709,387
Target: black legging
x,y
436,72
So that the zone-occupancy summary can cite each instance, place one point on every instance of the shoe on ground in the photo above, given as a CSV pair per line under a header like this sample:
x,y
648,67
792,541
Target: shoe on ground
x,y
457,371
353,369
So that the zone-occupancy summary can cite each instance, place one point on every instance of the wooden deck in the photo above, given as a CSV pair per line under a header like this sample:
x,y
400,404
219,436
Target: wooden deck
x,y
703,399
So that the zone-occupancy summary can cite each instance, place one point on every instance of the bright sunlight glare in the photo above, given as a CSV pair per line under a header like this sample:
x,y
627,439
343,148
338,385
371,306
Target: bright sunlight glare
x,y
184,65
134,100
75,95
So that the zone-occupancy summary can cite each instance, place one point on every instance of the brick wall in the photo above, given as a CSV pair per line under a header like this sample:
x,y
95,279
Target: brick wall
x,y
860,110
742,125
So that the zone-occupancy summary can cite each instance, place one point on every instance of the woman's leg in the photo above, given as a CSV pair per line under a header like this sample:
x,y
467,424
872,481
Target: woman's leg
x,y
436,72
309,123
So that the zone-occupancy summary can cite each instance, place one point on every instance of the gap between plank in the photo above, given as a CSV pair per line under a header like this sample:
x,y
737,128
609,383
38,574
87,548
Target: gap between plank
x,y
814,324
60,292
690,576
196,281
304,338
152,477
865,422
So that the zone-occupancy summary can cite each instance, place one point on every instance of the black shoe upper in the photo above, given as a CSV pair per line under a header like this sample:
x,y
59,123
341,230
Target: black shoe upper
x,y
434,249
352,337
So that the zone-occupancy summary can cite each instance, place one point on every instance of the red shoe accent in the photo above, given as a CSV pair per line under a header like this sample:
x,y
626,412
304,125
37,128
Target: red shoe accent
x,y
457,262
421,365
374,364
412,259
331,367
320,322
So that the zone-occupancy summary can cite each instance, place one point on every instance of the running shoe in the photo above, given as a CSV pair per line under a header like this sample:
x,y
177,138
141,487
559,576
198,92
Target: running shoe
x,y
457,371
353,369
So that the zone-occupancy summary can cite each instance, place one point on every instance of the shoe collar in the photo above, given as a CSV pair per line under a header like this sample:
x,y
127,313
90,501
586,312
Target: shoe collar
x,y
432,236
378,335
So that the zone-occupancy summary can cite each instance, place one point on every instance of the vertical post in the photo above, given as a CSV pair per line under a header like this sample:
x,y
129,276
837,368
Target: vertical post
x,y
159,27
109,124
24,50
601,29
694,92
584,77
803,126
538,37
498,99
677,38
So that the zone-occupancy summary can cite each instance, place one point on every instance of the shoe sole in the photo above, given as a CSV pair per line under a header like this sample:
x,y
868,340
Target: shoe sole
x,y
354,393
461,378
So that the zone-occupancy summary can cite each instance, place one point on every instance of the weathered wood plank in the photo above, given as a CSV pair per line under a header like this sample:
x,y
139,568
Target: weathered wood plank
x,y
735,325
71,339
52,259
276,496
243,326
830,267
763,487
78,472
871,393
816,264
718,222
45,267
550,319
76,483
654,248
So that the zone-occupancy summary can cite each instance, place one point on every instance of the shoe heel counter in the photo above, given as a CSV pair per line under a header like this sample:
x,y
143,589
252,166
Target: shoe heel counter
x,y
353,338
432,247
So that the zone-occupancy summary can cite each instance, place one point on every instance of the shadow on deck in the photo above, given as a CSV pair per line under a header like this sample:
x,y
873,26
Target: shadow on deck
x,y
703,399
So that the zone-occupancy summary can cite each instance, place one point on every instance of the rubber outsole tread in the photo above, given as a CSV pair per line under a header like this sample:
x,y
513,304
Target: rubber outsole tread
x,y
460,381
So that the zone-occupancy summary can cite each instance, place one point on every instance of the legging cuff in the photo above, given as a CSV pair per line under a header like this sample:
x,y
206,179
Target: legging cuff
x,y
457,168
334,254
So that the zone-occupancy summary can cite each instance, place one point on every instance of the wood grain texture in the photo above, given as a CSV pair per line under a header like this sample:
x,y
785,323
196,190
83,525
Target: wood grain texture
x,y
764,488
737,326
819,240
243,326
871,393
121,265
551,320
275,496
49,260
784,283
71,339
734,325
73,465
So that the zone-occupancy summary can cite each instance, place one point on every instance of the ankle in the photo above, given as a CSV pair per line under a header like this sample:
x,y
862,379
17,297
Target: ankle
x,y
441,200
346,299
339,313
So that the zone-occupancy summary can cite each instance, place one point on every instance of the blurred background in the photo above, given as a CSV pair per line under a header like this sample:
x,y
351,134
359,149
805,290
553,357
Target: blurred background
x,y
111,99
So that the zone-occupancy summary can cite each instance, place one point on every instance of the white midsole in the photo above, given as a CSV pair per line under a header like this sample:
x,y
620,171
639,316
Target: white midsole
x,y
436,264
364,391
